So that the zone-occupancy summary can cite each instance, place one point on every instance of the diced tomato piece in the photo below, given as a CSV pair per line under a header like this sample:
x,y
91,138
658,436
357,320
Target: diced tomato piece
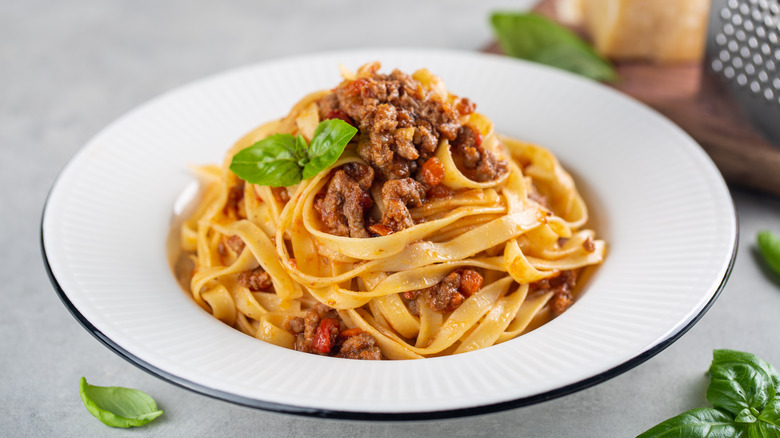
x,y
380,230
339,114
325,336
350,332
355,87
433,171
411,294
470,282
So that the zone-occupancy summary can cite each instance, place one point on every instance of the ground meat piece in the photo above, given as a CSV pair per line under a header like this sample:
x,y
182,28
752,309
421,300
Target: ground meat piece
x,y
363,175
425,136
324,311
234,243
342,208
444,297
317,332
535,195
396,195
360,346
255,280
383,127
410,298
449,293
381,137
403,142
561,286
390,165
234,200
588,244
294,325
280,194
480,164
311,323
489,167
398,119
559,302
542,200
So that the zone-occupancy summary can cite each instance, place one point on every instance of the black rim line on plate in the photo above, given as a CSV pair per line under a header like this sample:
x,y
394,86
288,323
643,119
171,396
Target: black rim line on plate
x,y
382,416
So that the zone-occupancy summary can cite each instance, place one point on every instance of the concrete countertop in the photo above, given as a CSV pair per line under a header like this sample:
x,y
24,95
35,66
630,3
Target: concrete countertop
x,y
69,68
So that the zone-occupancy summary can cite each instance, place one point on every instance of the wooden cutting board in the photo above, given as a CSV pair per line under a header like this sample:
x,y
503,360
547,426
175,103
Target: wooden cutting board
x,y
698,103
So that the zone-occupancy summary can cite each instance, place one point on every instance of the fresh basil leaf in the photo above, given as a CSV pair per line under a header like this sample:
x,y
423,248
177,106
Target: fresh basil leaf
x,y
302,148
118,407
700,422
274,161
769,247
768,424
747,415
535,38
740,381
328,142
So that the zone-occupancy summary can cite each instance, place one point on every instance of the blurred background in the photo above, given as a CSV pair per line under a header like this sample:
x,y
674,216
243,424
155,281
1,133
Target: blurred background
x,y
69,68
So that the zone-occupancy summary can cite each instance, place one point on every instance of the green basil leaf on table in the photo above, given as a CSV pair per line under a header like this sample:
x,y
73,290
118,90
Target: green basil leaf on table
x,y
535,38
768,424
769,247
328,142
747,415
745,393
740,381
118,407
700,422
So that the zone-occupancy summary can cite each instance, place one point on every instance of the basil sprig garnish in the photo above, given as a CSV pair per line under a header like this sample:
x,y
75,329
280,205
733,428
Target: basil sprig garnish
x,y
745,394
283,160
118,407
769,247
535,38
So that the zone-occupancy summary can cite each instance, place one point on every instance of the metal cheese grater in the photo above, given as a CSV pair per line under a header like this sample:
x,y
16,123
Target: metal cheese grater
x,y
743,48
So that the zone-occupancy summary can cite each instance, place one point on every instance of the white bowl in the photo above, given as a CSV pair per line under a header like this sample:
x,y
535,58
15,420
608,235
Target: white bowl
x,y
654,195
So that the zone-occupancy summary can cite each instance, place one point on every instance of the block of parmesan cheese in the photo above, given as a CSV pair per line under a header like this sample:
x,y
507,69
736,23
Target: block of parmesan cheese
x,y
658,30
570,12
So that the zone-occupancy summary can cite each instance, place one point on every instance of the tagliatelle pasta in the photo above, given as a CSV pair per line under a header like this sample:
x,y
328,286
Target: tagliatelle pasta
x,y
430,235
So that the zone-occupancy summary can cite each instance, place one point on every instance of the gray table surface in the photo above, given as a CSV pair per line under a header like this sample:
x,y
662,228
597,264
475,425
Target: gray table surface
x,y
68,68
